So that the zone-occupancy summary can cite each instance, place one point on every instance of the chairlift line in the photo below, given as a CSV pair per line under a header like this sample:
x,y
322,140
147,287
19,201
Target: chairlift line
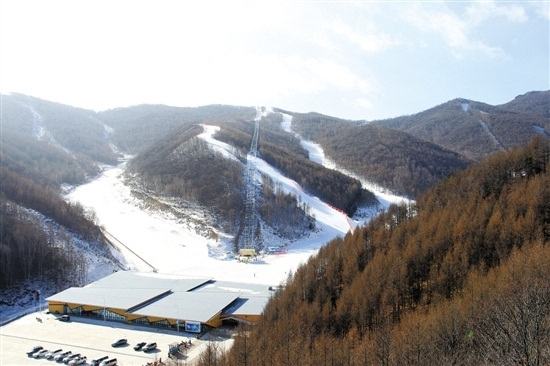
x,y
250,197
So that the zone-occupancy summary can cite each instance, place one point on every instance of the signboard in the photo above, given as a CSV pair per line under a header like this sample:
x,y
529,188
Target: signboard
x,y
247,252
193,327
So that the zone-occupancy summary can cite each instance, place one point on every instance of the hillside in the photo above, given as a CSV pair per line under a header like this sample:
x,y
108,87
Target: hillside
x,y
475,129
43,149
535,102
178,167
283,151
460,278
136,128
392,159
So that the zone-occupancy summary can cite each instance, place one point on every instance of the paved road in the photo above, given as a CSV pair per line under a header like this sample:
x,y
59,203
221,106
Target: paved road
x,y
91,338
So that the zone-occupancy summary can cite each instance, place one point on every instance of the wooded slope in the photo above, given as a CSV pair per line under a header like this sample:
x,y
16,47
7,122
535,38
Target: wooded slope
x,y
283,151
137,128
461,278
393,159
476,129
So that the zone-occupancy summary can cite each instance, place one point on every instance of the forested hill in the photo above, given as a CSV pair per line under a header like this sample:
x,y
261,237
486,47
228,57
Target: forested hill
x,y
477,130
283,151
35,161
393,159
136,128
460,278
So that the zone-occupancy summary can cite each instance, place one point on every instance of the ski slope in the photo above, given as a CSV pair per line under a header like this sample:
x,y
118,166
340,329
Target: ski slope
x,y
171,248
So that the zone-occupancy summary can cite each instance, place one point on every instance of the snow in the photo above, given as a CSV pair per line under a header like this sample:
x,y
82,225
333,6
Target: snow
x,y
163,243
491,136
540,130
172,248
316,154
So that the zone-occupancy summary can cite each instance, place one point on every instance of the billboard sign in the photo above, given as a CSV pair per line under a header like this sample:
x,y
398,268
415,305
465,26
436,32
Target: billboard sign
x,y
247,252
193,327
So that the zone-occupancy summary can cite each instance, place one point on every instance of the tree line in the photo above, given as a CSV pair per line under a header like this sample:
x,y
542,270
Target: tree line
x,y
462,277
29,249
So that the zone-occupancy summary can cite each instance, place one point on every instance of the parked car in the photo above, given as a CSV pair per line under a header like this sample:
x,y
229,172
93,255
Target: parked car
x,y
71,357
40,353
139,346
53,353
109,362
149,347
62,355
33,350
97,361
64,318
120,342
77,361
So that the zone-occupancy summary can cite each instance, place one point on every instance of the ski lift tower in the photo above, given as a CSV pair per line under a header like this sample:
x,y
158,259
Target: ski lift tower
x,y
250,203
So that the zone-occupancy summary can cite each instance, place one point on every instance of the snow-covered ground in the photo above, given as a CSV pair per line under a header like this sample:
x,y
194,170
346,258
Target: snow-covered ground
x,y
161,242
171,248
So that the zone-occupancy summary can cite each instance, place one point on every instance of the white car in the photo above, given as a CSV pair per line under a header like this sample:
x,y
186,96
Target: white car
x,y
71,357
77,361
149,347
62,355
40,353
54,353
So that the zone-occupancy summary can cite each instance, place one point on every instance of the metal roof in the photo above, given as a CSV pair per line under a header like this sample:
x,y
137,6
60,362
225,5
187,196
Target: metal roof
x,y
252,297
193,306
246,306
118,298
169,296
135,280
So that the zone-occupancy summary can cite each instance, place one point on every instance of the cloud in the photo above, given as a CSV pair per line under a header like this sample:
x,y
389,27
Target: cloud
x,y
370,40
364,103
541,8
458,31
314,75
479,11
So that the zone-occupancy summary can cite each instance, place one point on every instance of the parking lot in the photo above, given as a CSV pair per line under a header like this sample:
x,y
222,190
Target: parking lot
x,y
90,337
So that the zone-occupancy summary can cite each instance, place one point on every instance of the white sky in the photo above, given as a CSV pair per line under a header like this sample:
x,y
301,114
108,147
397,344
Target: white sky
x,y
357,60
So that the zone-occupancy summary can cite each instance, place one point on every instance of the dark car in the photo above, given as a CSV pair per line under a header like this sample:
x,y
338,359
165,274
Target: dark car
x,y
34,350
97,361
120,342
64,318
139,346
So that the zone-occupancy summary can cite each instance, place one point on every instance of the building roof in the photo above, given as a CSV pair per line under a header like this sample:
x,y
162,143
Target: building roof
x,y
169,296
108,297
200,307
136,280
252,297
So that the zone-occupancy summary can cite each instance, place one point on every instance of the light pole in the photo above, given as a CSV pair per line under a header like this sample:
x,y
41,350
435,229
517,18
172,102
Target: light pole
x,y
103,308
178,319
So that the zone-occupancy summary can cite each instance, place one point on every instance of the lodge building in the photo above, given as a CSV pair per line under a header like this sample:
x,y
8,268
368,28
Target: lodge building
x,y
161,300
